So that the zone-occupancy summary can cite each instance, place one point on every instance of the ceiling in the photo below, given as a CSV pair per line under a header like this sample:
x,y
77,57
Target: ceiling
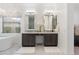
x,y
20,8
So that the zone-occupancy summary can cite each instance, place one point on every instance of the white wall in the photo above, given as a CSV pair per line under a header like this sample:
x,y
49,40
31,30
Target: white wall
x,y
40,9
76,17
75,9
0,24
73,19
66,34
62,17
70,29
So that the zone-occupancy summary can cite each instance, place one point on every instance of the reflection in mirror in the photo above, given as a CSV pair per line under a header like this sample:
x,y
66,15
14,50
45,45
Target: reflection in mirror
x,y
31,22
50,22
54,22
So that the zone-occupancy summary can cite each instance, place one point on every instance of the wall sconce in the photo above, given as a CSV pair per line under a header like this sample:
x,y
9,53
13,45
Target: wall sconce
x,y
48,12
51,12
30,12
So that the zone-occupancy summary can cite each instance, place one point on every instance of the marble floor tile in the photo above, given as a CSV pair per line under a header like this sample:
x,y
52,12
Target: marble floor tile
x,y
76,50
26,50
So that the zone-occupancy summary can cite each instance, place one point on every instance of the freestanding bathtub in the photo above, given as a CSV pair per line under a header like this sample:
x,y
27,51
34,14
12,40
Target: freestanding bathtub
x,y
6,40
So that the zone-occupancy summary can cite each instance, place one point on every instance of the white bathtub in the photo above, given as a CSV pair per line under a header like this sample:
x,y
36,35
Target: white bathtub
x,y
6,40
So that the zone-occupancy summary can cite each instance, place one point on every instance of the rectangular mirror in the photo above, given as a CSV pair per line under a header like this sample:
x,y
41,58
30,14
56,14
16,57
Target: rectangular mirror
x,y
50,22
31,22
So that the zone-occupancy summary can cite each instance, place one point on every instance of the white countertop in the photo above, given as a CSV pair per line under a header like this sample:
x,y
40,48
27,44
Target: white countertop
x,y
40,32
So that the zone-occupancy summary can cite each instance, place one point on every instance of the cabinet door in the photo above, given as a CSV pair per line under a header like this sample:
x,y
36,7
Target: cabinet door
x,y
25,41
28,40
51,40
31,40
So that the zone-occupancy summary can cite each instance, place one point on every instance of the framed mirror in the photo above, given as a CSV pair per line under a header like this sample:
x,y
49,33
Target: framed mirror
x,y
50,22
30,22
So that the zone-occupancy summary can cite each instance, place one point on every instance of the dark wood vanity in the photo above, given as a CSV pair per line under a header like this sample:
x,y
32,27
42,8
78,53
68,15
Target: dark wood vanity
x,y
50,39
29,39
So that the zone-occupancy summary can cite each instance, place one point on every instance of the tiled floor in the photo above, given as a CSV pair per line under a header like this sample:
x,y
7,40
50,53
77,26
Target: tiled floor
x,y
39,50
76,50
24,50
45,50
17,49
31,50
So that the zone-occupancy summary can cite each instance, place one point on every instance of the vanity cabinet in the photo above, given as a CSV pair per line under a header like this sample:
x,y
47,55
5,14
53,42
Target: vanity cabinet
x,y
28,40
50,40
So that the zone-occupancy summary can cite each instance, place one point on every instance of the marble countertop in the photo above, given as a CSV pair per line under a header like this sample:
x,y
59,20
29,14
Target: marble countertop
x,y
40,32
